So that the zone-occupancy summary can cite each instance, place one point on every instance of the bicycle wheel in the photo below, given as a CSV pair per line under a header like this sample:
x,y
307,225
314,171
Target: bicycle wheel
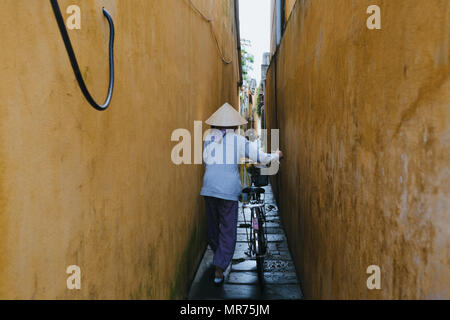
x,y
260,247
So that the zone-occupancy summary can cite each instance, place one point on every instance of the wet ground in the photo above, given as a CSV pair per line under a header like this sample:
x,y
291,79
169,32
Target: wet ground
x,y
241,279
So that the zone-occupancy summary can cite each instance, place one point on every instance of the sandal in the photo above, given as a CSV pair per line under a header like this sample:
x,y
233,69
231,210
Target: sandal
x,y
218,282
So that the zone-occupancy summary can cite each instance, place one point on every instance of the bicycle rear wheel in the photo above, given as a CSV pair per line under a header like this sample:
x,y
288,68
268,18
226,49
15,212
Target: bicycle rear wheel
x,y
260,241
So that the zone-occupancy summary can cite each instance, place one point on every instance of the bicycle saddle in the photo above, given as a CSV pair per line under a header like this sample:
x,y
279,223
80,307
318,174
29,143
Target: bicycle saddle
x,y
254,190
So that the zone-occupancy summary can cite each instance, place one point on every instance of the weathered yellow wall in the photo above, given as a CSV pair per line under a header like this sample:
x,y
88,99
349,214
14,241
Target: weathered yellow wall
x,y
98,189
270,107
365,119
288,6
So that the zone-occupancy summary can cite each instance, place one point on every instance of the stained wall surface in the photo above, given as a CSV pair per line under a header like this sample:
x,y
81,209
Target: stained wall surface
x,y
98,189
289,5
364,118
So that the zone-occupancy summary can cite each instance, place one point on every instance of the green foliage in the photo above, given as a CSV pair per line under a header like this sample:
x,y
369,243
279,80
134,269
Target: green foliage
x,y
247,61
259,104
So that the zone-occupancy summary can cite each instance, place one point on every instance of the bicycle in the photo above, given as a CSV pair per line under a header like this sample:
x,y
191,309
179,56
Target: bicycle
x,y
257,237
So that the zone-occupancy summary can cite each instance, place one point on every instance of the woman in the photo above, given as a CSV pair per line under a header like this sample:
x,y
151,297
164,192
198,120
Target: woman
x,y
222,153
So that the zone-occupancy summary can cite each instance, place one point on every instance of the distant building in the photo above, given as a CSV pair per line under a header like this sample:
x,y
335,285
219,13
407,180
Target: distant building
x,y
265,65
262,87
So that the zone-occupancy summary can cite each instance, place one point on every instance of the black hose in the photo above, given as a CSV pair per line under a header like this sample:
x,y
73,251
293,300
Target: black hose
x,y
73,59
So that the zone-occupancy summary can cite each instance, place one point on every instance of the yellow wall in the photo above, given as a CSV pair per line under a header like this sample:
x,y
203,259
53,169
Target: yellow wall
x,y
98,189
288,5
364,118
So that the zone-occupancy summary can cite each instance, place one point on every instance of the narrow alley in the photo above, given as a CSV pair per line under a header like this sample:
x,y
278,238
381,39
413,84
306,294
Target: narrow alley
x,y
241,279
105,132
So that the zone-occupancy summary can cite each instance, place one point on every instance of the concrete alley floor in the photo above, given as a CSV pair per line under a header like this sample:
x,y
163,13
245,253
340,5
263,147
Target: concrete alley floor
x,y
241,279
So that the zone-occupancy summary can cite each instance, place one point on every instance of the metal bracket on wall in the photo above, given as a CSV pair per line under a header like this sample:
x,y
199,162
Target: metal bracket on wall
x,y
73,59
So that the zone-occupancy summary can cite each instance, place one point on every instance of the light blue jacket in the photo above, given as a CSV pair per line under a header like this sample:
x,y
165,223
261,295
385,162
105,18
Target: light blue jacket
x,y
221,156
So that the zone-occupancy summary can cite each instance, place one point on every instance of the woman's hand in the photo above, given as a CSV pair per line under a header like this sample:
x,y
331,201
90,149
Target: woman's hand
x,y
280,154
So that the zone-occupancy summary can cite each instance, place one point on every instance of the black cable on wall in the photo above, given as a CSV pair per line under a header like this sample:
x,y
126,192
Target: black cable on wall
x,y
73,59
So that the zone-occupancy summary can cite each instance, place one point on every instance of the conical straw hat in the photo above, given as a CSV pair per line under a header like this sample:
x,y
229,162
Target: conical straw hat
x,y
226,116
